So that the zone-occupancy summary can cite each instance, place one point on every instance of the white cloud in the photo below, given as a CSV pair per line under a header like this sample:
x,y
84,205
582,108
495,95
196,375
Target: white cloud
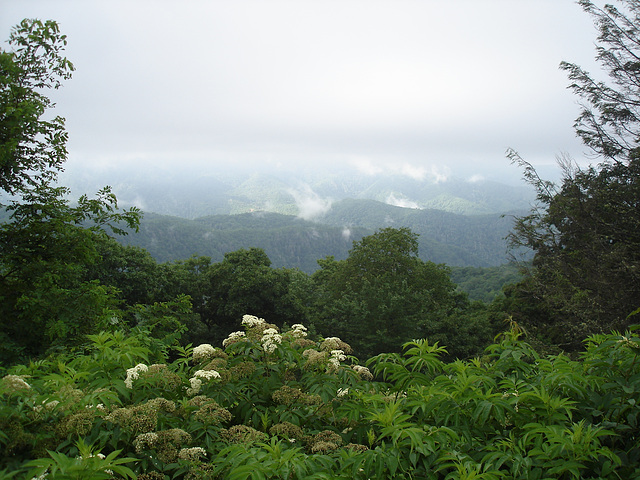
x,y
412,171
309,203
401,202
440,174
390,81
366,166
476,178
346,233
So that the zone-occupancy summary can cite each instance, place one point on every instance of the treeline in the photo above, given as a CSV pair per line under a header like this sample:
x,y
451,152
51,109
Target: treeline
x,y
380,296
459,240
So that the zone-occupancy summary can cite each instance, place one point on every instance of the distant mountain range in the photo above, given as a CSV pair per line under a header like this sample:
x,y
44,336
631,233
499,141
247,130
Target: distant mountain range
x,y
300,218
193,193
289,241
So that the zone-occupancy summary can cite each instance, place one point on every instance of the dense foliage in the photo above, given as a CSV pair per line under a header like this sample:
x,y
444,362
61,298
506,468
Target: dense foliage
x,y
279,404
46,246
292,242
100,377
585,232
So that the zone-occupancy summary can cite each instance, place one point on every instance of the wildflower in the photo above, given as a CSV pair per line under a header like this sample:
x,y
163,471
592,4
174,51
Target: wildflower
x,y
334,343
287,430
298,330
140,418
356,447
210,412
287,395
342,392
324,442
242,434
233,337
202,352
14,383
151,476
169,444
242,370
364,372
337,356
302,343
196,382
76,424
270,340
134,373
252,321
192,454
145,441
48,406
315,359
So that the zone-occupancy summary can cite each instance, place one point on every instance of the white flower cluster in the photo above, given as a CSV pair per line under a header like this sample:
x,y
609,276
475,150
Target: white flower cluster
x,y
134,373
364,372
252,321
193,453
298,330
46,406
337,356
15,382
145,441
196,382
342,392
270,340
331,343
232,338
203,352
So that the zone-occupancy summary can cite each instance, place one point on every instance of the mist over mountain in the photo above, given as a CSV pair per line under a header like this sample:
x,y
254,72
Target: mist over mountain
x,y
300,216
194,190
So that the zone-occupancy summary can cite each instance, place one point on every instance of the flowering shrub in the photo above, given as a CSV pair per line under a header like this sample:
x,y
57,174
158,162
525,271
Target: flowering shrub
x,y
274,404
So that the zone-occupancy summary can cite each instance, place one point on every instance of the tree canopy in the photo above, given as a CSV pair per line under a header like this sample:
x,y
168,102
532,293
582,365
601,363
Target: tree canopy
x,y
32,148
383,294
47,245
584,232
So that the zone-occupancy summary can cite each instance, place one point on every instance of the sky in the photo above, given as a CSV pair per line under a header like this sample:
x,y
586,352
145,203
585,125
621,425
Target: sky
x,y
424,88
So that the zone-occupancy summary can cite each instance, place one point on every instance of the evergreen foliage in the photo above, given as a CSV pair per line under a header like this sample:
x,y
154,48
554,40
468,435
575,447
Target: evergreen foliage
x,y
586,270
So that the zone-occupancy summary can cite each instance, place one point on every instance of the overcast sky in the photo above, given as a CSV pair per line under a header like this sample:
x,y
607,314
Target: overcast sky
x,y
428,86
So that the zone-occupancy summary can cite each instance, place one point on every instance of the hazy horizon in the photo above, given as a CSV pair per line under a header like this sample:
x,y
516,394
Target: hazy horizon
x,y
426,88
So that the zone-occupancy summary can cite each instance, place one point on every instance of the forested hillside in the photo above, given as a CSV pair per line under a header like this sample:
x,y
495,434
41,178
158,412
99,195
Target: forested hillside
x,y
114,365
457,240
461,240
289,241
197,191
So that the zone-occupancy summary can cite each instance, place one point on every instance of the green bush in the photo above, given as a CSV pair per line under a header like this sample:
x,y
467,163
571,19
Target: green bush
x,y
277,404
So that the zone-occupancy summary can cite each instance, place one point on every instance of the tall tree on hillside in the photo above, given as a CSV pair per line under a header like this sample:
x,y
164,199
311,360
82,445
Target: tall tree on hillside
x,y
383,294
244,282
46,245
609,122
586,232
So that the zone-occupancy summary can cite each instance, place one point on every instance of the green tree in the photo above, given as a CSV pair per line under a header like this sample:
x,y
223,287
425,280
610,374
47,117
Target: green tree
x,y
132,270
245,283
585,232
46,245
32,149
609,122
383,294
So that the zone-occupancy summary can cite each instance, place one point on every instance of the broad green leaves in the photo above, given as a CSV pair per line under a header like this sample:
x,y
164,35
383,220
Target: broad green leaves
x,y
291,413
